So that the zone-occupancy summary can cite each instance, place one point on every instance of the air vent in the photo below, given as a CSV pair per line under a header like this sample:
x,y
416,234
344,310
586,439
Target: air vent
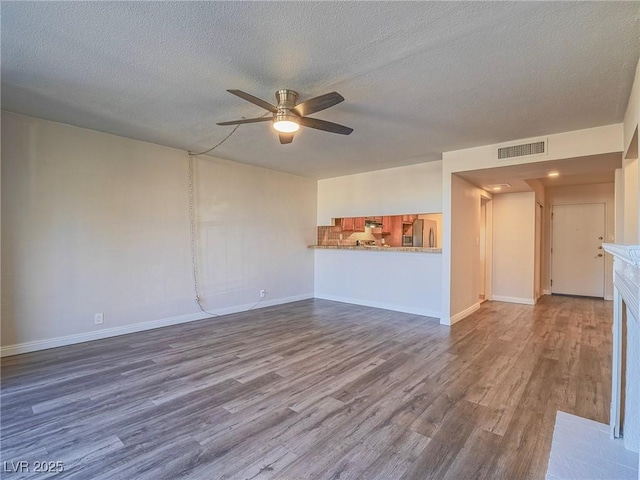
x,y
496,187
535,148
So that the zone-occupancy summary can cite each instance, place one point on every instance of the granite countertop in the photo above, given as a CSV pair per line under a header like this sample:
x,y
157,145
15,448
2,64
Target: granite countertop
x,y
378,249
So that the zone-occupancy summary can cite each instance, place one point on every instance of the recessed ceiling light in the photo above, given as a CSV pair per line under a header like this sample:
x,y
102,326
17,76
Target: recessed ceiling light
x,y
553,174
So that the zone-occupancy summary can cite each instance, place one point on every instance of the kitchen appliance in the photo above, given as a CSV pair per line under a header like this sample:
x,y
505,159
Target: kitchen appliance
x,y
418,233
407,240
371,223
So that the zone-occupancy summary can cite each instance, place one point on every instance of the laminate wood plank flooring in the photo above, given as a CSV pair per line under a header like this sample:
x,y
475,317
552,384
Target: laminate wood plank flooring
x,y
313,390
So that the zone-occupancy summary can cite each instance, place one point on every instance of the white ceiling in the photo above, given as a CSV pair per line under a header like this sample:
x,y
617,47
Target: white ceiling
x,y
419,78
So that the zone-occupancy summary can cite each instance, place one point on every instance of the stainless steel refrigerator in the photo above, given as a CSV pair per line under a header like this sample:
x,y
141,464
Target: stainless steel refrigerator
x,y
418,233
424,233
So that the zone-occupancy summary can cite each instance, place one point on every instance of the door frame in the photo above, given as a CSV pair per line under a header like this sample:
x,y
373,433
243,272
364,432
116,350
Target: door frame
x,y
487,204
606,233
539,252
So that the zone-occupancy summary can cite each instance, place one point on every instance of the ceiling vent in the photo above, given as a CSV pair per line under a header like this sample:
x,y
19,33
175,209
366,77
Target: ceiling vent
x,y
496,187
524,149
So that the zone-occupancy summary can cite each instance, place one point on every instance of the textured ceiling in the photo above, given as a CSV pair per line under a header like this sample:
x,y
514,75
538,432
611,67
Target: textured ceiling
x,y
419,78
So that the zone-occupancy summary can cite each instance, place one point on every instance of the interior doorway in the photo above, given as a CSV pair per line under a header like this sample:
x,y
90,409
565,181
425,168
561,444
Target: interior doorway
x,y
577,257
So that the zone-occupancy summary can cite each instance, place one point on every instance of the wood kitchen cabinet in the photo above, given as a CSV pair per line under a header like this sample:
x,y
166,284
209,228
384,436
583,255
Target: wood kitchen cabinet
x,y
387,225
393,224
346,224
352,224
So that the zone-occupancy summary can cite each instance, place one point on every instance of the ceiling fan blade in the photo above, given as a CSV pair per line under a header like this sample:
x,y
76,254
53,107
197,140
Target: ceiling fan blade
x,y
316,104
285,137
246,120
254,100
324,125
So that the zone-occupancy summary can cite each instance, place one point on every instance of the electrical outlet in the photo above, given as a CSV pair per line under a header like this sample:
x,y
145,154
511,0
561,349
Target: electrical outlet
x,y
99,318
263,293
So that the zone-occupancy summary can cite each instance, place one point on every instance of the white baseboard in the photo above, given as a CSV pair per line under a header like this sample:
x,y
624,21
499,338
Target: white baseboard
x,y
608,297
525,301
546,292
384,306
36,345
460,315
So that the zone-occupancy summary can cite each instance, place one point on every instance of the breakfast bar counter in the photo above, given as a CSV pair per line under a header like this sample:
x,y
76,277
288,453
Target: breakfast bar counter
x,y
372,248
404,279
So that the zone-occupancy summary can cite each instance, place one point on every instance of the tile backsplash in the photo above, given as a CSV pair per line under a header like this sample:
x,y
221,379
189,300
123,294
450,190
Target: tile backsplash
x,y
330,236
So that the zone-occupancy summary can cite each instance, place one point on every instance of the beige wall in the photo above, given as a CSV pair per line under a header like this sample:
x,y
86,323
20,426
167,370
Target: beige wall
x,y
465,253
394,191
619,205
631,210
93,223
632,115
539,190
514,247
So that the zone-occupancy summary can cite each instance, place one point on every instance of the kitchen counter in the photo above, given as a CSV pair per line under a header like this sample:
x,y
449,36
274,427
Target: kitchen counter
x,y
378,249
404,279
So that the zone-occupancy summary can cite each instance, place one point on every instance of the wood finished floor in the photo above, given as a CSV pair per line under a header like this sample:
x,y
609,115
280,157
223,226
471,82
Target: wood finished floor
x,y
314,389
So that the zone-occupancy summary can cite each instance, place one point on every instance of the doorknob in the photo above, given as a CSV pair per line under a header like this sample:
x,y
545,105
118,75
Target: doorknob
x,y
599,254
600,238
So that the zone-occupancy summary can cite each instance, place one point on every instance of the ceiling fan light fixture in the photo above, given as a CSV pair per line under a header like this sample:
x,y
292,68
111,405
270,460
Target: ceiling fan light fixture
x,y
286,122
286,125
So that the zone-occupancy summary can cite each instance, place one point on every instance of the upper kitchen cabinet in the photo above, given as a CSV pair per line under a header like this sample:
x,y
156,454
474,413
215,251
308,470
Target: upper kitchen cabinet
x,y
346,224
352,224
392,228
388,224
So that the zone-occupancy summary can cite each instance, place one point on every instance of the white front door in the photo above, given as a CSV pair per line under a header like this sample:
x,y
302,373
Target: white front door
x,y
577,258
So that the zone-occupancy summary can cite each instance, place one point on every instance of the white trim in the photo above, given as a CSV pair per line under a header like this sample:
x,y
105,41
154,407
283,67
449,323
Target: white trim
x,y
616,366
628,253
608,298
525,301
626,291
138,327
460,315
385,306
546,292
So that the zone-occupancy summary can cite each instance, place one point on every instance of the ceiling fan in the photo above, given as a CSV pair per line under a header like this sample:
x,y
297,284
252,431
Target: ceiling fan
x,y
289,115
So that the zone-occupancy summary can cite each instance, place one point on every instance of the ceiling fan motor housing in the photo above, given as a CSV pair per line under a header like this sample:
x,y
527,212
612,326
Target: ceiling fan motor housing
x,y
287,100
